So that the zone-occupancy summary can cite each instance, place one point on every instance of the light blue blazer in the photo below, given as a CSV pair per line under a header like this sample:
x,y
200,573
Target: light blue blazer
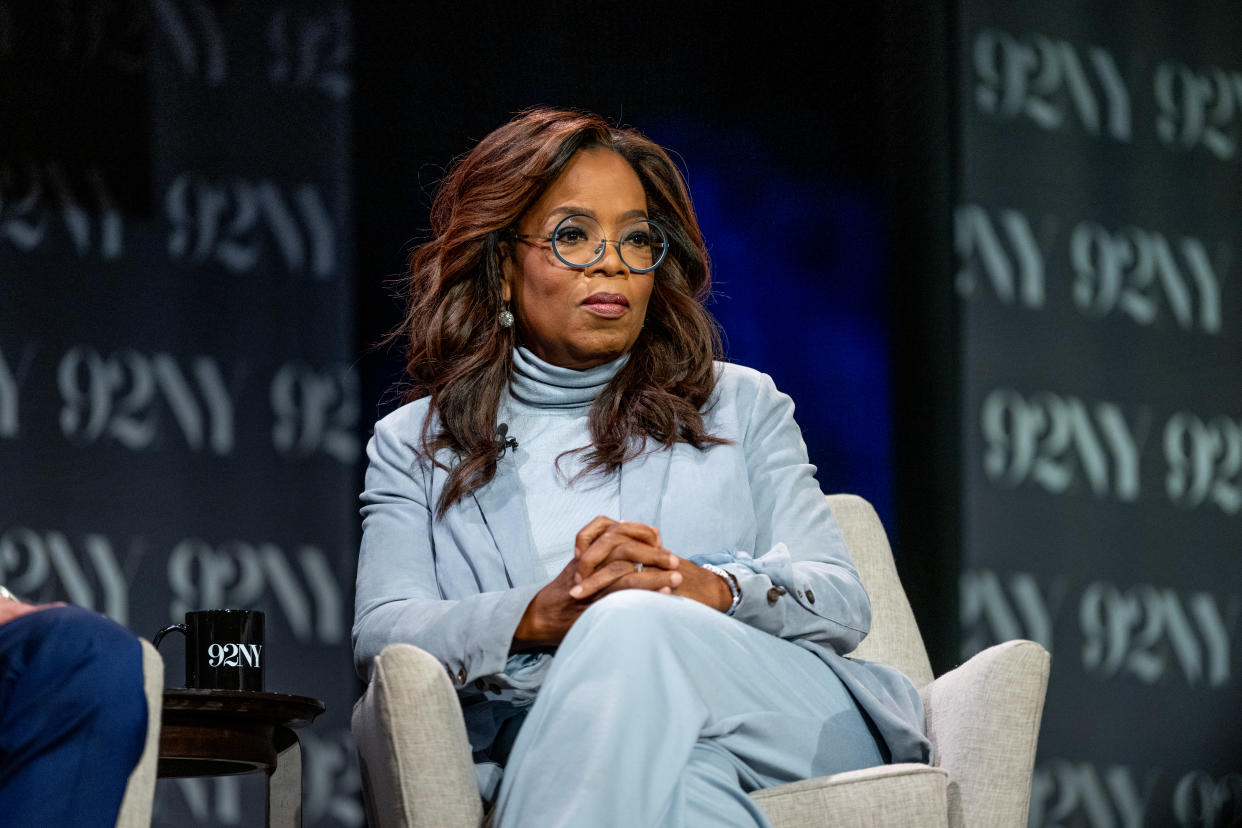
x,y
458,586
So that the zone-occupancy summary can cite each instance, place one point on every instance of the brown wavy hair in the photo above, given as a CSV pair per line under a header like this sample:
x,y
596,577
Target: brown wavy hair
x,y
460,355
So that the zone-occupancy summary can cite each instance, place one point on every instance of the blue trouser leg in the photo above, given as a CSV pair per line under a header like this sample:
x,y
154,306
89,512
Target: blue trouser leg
x,y
661,711
73,717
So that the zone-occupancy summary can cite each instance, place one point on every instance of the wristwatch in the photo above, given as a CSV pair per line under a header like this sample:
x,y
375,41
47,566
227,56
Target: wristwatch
x,y
731,581
5,594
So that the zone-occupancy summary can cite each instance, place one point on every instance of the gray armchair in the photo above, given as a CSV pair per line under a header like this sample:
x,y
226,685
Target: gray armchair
x,y
140,791
983,720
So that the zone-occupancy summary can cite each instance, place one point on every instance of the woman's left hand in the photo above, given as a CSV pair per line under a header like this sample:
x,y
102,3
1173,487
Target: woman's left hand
x,y
593,555
703,586
696,583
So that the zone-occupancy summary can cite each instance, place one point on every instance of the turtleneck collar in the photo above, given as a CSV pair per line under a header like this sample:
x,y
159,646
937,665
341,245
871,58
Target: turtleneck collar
x,y
543,385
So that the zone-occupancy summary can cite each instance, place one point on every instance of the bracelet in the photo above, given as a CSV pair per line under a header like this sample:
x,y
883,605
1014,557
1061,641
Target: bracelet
x,y
731,581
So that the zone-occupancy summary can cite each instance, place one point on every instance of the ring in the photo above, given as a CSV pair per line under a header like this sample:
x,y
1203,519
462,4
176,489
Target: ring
x,y
638,567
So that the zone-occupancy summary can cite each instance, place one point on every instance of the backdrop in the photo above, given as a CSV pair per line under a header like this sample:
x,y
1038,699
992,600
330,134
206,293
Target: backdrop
x,y
989,251
1097,241
201,205
178,425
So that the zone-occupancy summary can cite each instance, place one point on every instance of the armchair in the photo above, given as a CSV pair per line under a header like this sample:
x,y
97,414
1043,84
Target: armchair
x,y
140,791
982,718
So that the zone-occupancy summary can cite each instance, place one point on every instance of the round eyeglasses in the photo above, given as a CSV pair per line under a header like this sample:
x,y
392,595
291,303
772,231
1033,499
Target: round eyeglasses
x,y
579,241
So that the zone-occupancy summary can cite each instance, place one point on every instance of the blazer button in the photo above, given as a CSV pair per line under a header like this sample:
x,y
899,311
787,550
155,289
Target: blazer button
x,y
461,676
810,596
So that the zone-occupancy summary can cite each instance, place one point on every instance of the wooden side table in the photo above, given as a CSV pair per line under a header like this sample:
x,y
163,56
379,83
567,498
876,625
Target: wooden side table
x,y
224,732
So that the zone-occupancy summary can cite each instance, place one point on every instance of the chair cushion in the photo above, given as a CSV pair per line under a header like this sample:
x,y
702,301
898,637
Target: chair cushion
x,y
903,794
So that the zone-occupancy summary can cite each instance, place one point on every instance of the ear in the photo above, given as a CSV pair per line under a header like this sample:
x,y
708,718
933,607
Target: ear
x,y
508,271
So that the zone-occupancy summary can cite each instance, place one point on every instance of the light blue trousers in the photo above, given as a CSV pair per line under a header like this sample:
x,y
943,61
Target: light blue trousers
x,y
660,711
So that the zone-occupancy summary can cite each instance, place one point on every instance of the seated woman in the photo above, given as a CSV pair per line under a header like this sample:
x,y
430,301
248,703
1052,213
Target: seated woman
x,y
615,545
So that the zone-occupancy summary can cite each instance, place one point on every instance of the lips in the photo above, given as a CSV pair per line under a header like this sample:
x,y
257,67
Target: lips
x,y
606,304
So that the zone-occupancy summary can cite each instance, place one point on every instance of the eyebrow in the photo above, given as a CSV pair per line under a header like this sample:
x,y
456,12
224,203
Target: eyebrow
x,y
570,210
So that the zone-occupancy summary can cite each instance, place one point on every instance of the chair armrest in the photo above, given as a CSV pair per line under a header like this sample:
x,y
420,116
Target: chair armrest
x,y
983,721
412,745
902,794
136,805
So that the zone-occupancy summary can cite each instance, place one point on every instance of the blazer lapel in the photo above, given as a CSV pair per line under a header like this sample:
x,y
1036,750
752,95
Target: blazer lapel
x,y
643,482
503,506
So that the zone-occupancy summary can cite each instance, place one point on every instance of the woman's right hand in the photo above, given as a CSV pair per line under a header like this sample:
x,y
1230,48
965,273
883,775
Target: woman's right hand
x,y
606,554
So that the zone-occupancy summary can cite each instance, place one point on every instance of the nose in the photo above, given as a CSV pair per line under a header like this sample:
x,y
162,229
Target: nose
x,y
611,263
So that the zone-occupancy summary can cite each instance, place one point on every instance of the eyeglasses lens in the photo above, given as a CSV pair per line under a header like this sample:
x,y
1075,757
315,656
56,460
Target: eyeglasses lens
x,y
579,241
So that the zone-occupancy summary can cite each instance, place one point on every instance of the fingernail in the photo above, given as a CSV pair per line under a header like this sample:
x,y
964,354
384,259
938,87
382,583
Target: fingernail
x,y
666,591
673,560
576,592
675,579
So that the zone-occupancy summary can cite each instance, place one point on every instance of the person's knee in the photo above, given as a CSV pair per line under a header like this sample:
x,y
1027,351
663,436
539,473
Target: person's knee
x,y
640,617
97,667
74,629
628,600
628,610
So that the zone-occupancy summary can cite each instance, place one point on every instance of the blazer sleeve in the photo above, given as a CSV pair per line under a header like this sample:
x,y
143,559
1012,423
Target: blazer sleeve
x,y
799,581
398,597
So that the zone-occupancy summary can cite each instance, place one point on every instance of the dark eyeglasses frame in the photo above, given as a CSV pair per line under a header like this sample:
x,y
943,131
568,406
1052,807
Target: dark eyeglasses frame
x,y
603,244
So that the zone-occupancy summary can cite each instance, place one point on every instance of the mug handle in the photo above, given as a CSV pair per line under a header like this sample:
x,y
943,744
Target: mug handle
x,y
159,636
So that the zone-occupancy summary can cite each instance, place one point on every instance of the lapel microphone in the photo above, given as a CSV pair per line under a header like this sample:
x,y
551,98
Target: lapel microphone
x,y
503,441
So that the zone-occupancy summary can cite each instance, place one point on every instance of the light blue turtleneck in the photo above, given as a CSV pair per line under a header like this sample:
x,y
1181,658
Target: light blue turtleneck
x,y
546,410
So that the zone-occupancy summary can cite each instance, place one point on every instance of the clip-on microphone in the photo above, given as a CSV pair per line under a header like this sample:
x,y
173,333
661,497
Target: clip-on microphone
x,y
503,440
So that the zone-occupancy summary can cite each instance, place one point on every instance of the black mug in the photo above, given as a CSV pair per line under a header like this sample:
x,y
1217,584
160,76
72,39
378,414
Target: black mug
x,y
223,649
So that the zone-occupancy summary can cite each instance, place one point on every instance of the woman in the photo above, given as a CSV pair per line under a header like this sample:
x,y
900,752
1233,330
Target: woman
x,y
615,545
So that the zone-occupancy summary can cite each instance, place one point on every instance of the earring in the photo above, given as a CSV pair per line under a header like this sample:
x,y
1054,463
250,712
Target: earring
x,y
506,317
